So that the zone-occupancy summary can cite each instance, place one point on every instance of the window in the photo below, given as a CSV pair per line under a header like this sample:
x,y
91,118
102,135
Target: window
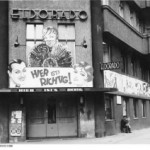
x,y
134,66
108,107
105,2
131,17
106,53
125,63
33,36
143,108
144,71
121,9
125,106
66,34
135,107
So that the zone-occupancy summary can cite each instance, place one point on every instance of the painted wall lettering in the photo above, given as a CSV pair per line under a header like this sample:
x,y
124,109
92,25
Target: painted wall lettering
x,y
110,65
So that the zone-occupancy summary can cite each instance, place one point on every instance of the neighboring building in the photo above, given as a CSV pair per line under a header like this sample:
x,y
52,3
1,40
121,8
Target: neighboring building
x,y
70,88
126,40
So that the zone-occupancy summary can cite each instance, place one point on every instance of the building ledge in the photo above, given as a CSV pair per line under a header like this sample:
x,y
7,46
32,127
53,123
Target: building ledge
x,y
117,26
129,95
54,90
123,20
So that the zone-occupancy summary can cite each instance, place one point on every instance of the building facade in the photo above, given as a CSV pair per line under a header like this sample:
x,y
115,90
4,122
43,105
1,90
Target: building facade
x,y
48,85
126,40
73,68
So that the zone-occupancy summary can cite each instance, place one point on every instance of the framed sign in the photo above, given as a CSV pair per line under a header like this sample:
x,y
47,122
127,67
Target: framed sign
x,y
119,100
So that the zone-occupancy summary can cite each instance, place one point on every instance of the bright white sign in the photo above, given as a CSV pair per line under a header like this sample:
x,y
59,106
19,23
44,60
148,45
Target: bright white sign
x,y
38,77
126,84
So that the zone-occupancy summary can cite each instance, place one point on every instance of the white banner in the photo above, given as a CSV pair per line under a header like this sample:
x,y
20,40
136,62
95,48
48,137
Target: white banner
x,y
126,84
38,77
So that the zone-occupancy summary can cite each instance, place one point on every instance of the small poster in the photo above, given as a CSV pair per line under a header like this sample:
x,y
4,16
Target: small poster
x,y
15,129
16,123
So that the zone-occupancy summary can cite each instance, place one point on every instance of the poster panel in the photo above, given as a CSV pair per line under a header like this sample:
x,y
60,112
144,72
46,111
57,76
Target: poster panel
x,y
49,64
126,84
16,123
38,77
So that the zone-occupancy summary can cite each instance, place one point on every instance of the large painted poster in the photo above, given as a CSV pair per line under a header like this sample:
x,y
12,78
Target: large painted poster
x,y
49,65
126,84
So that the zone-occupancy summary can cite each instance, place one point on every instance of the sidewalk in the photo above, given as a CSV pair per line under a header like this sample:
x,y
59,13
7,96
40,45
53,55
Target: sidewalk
x,y
141,136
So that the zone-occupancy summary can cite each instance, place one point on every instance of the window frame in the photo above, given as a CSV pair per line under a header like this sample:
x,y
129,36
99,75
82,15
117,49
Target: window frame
x,y
109,97
121,9
33,39
143,108
135,108
125,68
69,40
107,53
134,66
126,100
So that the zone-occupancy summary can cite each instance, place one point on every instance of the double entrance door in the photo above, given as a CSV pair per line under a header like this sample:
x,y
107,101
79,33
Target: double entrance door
x,y
51,117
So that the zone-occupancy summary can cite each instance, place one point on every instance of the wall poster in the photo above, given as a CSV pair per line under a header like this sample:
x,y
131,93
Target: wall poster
x,y
126,84
16,123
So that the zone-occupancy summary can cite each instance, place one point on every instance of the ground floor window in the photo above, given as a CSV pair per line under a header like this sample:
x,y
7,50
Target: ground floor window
x,y
125,106
143,108
135,108
108,106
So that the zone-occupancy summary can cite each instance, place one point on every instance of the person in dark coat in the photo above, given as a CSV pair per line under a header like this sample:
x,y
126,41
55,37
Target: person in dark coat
x,y
125,125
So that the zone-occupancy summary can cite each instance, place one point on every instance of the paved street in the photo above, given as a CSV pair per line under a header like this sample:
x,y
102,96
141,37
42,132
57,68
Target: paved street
x,y
136,137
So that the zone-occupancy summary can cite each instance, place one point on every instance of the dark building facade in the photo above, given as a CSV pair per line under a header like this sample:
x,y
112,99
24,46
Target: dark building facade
x,y
85,66
126,40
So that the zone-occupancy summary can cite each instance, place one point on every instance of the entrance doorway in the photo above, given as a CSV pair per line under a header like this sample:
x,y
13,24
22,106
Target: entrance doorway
x,y
51,117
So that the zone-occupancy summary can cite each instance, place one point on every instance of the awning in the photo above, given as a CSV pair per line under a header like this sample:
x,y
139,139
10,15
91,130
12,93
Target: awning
x,y
128,95
69,89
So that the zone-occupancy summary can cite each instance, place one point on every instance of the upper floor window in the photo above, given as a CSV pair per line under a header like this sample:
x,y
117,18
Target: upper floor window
x,y
108,106
121,9
144,73
33,36
131,17
105,2
134,66
66,34
124,63
106,53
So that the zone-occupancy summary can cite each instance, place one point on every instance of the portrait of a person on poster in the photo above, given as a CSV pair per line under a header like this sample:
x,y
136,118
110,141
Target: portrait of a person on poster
x,y
17,73
50,53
